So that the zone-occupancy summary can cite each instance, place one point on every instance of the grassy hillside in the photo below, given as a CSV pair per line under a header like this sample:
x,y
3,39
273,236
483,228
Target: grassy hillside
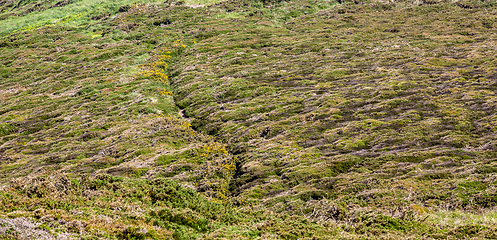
x,y
248,119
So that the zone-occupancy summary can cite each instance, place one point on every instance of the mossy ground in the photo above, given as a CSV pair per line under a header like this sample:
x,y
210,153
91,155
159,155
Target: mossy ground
x,y
249,119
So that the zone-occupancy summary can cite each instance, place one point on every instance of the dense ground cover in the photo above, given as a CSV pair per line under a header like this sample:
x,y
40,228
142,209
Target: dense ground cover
x,y
248,119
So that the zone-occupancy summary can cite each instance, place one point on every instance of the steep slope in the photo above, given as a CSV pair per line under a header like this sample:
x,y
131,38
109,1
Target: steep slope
x,y
372,107
89,132
249,119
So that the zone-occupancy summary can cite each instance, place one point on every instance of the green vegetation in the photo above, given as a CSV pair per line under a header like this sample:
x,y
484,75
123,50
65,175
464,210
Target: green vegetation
x,y
249,119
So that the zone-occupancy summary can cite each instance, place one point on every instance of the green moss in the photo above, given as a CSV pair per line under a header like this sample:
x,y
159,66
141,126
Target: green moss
x,y
165,159
6,129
